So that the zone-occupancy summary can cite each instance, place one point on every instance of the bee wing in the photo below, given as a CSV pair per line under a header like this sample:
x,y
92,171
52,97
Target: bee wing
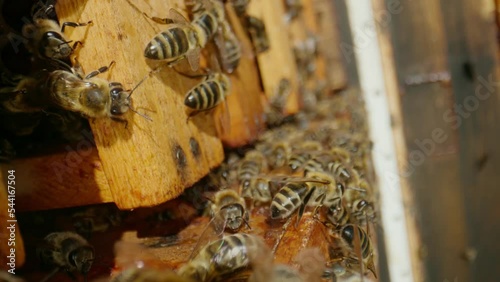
x,y
212,232
177,17
193,58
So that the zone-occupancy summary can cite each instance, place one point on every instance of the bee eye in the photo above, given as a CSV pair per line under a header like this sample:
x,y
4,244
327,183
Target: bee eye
x,y
115,110
52,34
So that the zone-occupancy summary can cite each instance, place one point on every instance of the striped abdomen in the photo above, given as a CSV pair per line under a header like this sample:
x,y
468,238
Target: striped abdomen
x,y
170,44
348,236
288,199
229,254
205,95
297,160
206,24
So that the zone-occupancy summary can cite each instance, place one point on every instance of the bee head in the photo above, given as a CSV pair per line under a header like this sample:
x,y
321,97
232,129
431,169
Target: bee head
x,y
54,46
234,216
82,259
347,233
120,101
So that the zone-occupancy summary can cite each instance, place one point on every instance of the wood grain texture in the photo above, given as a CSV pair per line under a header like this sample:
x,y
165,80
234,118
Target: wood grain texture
x,y
245,106
394,103
146,163
321,17
474,66
64,179
277,62
420,46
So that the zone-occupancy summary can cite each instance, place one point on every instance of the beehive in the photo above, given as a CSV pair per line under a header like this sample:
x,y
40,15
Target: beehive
x,y
147,163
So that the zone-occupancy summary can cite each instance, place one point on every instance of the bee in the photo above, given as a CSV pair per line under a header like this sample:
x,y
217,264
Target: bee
x,y
347,236
338,213
295,195
96,219
293,8
252,165
259,190
229,48
68,89
209,93
230,208
46,37
279,155
68,251
183,39
302,153
258,34
357,201
240,6
305,53
224,257
275,115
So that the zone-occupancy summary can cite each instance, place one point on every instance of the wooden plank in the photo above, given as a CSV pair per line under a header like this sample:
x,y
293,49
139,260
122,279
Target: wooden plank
x,y
394,105
327,26
277,62
63,179
146,163
419,48
10,236
245,100
474,64
345,43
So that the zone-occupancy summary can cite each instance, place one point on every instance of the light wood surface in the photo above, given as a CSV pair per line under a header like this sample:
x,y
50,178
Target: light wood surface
x,y
277,62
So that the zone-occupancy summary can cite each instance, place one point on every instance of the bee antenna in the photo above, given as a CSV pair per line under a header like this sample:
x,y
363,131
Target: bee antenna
x,y
247,224
142,115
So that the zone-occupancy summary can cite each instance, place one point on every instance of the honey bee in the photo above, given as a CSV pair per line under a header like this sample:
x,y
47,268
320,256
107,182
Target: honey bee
x,y
96,219
347,236
209,93
46,37
302,153
293,8
305,53
240,6
68,251
258,190
295,195
90,96
338,213
183,39
279,155
230,208
258,34
229,48
224,257
252,165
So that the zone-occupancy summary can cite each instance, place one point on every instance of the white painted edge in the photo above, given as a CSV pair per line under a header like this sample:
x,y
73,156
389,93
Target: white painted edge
x,y
370,70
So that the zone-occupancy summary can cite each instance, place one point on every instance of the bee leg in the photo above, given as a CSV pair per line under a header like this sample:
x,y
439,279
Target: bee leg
x,y
52,273
159,20
100,70
303,205
73,24
121,121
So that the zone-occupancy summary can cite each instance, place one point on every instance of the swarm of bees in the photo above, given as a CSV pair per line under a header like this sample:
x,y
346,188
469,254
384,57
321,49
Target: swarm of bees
x,y
315,163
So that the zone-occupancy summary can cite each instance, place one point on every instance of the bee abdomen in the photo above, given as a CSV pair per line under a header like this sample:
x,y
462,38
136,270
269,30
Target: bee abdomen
x,y
169,44
287,200
208,24
204,96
